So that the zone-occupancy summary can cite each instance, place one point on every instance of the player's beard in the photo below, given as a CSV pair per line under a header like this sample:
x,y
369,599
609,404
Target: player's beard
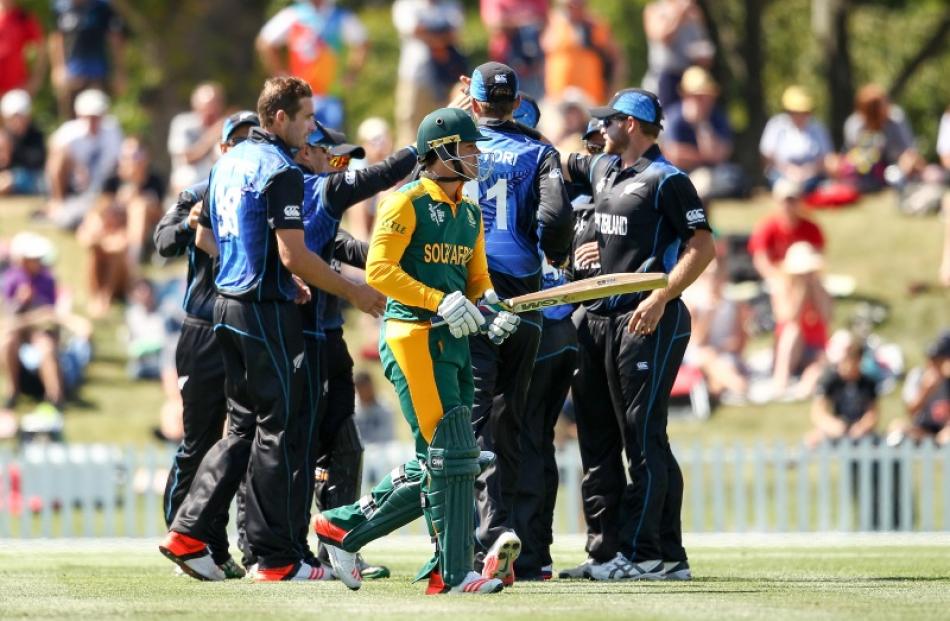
x,y
616,146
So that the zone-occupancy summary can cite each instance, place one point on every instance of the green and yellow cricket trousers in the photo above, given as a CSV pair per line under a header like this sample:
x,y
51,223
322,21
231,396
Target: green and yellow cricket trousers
x,y
432,374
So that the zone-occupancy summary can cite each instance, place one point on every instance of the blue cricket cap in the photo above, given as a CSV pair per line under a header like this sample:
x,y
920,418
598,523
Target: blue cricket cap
x,y
527,112
494,82
636,102
244,117
334,141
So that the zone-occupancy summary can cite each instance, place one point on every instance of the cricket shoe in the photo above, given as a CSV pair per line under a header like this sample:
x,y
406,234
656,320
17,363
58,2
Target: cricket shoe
x,y
345,564
232,569
371,572
500,560
619,568
575,573
472,584
677,570
295,572
191,555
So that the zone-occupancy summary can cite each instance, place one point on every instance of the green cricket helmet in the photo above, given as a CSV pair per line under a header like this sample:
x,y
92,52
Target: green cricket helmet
x,y
446,126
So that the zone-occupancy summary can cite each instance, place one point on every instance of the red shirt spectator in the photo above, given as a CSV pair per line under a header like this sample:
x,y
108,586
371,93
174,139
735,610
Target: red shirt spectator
x,y
18,30
786,225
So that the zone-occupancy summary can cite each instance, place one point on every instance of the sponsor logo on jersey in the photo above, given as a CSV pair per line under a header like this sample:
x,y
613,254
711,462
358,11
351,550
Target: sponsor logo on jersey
x,y
632,187
555,173
393,226
610,224
601,185
451,254
350,177
471,218
182,381
292,211
643,366
437,215
695,216
298,360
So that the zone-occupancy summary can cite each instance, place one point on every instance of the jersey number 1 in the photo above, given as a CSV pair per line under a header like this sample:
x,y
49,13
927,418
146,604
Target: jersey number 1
x,y
499,192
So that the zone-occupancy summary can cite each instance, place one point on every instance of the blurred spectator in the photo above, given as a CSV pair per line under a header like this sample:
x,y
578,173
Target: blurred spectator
x,y
876,135
29,295
802,311
943,151
580,51
375,136
20,30
374,420
317,34
514,38
795,145
698,138
83,154
927,397
774,234
846,401
570,123
676,39
429,60
22,147
78,50
120,225
719,334
193,137
137,190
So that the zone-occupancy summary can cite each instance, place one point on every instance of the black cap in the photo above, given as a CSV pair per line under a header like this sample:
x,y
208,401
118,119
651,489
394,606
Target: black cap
x,y
636,102
244,117
494,82
941,347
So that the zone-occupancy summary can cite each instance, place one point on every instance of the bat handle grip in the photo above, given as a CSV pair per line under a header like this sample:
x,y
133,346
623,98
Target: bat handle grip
x,y
487,312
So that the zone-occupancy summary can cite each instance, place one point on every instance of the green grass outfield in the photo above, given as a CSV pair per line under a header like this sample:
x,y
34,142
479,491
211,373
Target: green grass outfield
x,y
752,577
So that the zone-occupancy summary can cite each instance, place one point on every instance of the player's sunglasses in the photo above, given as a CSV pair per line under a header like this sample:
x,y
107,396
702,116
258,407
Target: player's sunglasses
x,y
335,161
593,148
605,123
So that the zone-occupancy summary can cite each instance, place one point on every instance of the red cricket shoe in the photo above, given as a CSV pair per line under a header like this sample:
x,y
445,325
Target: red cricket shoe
x,y
294,571
500,561
191,555
327,532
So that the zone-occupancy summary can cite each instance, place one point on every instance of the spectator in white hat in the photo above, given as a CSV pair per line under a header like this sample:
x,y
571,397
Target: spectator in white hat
x,y
22,146
795,145
83,154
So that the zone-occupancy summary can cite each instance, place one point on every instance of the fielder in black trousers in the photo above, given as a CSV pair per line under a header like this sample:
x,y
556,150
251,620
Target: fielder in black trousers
x,y
646,213
538,477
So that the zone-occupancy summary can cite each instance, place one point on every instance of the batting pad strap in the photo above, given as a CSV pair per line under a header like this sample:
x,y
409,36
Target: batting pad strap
x,y
388,507
452,466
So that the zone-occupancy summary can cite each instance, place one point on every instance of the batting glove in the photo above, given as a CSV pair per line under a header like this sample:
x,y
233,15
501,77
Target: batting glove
x,y
462,317
502,325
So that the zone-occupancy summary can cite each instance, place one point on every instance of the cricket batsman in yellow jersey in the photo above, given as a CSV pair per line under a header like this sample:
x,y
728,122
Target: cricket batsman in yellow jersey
x,y
427,255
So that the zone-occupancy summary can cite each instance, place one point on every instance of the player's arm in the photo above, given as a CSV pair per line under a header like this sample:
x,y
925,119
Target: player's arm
x,y
824,419
555,215
349,250
867,423
395,224
176,230
344,189
478,279
286,190
681,205
204,234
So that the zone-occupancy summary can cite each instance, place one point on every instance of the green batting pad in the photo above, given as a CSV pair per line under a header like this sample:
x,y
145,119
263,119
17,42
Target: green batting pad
x,y
393,503
450,494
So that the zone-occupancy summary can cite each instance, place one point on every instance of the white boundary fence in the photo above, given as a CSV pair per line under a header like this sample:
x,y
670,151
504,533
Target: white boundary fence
x,y
108,491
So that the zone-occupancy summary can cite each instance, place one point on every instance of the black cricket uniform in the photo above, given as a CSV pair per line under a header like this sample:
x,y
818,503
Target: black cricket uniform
x,y
198,363
537,214
255,190
643,214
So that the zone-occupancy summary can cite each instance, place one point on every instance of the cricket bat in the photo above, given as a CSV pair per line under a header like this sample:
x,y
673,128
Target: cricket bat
x,y
592,288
